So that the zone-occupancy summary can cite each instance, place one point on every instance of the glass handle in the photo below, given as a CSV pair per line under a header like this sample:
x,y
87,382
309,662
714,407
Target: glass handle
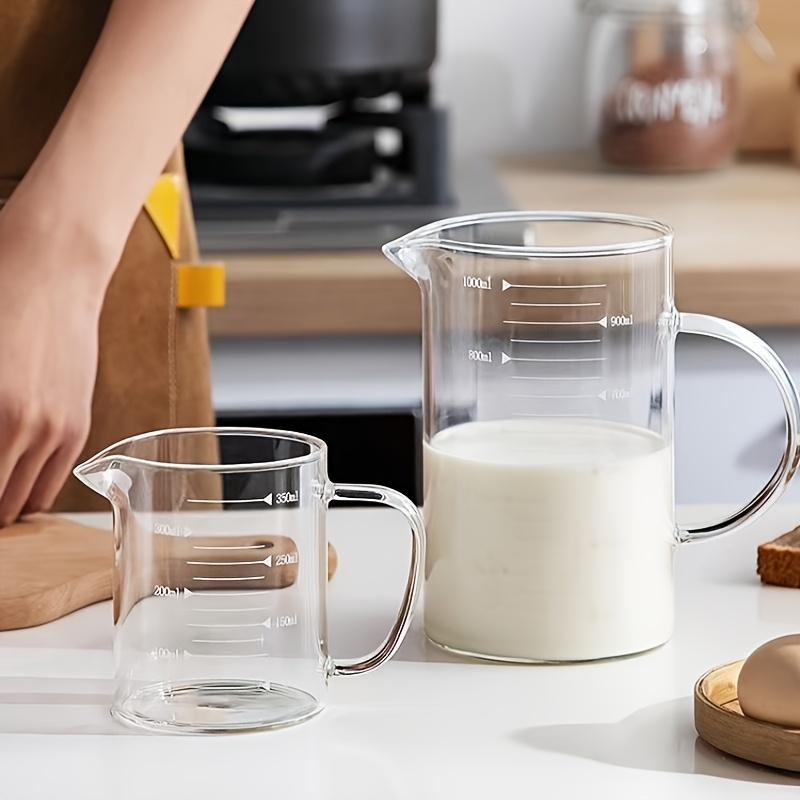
x,y
766,356
389,497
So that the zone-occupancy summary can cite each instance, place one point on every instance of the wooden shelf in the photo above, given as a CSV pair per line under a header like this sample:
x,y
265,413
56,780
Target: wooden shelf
x,y
737,253
296,294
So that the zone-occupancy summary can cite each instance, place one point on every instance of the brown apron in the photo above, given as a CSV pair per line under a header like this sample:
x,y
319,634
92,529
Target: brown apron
x,y
154,364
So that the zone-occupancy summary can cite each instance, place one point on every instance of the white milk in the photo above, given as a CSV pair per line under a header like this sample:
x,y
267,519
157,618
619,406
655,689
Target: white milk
x,y
548,539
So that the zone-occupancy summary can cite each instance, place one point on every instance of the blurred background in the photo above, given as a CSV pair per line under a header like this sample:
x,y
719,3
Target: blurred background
x,y
337,125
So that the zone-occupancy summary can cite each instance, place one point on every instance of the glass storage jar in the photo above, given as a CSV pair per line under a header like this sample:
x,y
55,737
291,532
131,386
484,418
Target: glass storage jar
x,y
662,83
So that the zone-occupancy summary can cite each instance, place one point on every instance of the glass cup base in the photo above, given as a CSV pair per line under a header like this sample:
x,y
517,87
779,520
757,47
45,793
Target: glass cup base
x,y
497,659
215,707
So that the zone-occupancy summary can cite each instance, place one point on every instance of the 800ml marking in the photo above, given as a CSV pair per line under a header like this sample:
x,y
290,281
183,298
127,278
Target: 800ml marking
x,y
480,355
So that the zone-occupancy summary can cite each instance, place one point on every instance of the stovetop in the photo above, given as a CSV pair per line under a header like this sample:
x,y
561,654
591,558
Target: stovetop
x,y
248,219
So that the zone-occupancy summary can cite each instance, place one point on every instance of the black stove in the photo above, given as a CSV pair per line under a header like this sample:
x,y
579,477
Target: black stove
x,y
358,180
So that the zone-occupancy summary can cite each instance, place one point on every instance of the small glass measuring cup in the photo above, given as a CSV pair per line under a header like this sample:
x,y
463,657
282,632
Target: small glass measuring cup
x,y
548,418
220,576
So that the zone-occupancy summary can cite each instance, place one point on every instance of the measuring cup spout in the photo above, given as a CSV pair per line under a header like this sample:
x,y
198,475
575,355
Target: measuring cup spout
x,y
103,474
408,253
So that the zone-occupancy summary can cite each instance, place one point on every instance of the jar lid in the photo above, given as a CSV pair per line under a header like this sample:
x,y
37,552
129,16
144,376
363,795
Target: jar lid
x,y
741,12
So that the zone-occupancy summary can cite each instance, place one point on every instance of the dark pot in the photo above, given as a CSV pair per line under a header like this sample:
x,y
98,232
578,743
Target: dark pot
x,y
314,52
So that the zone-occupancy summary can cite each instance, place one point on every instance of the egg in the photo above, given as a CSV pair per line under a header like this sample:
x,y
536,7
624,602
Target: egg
x,y
769,682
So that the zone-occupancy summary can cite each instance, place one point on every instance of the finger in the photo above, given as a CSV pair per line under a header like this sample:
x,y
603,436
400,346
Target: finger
x,y
52,478
22,480
13,445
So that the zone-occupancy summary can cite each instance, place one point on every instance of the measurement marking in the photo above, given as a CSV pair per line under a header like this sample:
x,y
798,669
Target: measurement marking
x,y
507,285
603,322
560,396
225,641
235,610
556,378
555,305
505,359
267,623
225,625
198,501
224,655
556,341
231,563
253,578
248,593
229,547
521,414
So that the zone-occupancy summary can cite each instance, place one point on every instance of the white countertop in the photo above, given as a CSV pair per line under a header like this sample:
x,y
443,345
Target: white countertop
x,y
425,725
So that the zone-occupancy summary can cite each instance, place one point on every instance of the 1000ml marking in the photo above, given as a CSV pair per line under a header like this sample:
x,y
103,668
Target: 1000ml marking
x,y
471,282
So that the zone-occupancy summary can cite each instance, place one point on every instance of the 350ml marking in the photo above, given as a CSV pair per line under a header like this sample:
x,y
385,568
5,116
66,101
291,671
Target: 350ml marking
x,y
281,498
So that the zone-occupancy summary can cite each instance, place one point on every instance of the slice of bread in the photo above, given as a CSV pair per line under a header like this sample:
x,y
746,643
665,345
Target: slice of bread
x,y
779,560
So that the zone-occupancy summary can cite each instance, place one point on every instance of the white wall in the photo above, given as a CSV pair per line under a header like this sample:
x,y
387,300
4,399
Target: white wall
x,y
511,73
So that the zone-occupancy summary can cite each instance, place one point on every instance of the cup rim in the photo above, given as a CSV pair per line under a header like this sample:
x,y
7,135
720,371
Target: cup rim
x,y
317,449
428,235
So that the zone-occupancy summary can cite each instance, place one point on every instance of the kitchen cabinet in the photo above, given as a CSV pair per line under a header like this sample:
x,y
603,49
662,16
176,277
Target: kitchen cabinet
x,y
737,252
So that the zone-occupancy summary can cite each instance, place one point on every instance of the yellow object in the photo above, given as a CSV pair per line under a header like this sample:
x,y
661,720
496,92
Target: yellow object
x,y
164,207
201,285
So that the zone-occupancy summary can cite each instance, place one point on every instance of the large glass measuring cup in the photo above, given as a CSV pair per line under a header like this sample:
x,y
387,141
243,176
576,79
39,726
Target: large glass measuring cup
x,y
548,410
220,576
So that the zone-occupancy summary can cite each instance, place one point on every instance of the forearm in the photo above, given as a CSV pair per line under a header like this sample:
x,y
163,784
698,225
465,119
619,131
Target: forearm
x,y
151,67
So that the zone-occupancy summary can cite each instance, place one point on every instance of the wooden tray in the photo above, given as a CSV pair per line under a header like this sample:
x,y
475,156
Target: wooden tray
x,y
720,722
50,566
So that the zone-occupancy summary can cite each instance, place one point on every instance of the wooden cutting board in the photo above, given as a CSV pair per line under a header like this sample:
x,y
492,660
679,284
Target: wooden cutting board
x,y
50,566
769,87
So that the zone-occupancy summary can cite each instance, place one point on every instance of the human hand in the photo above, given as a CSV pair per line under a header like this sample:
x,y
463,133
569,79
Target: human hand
x,y
50,300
